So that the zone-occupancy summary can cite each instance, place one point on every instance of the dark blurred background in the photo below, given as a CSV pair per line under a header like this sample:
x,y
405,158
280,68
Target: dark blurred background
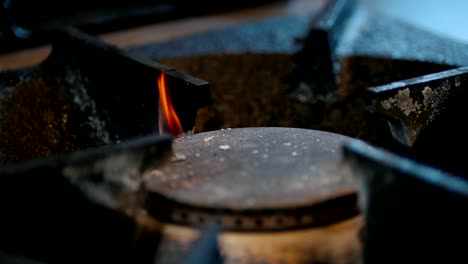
x,y
97,16
33,12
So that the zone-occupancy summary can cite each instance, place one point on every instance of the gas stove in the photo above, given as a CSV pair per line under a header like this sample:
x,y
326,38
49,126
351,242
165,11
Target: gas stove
x,y
326,137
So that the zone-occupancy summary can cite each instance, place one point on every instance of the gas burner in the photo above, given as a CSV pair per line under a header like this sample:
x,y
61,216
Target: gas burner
x,y
289,188
269,178
257,169
260,184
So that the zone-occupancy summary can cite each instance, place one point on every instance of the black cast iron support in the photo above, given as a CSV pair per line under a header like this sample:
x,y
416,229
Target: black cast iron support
x,y
76,208
425,115
413,213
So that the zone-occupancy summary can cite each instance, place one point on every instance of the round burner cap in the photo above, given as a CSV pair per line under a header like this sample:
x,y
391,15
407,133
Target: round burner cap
x,y
254,178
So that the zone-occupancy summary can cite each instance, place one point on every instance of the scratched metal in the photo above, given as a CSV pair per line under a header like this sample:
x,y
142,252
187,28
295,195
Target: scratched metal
x,y
424,114
253,179
254,168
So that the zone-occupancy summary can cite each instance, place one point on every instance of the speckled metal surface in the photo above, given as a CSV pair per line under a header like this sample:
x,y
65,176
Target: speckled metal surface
x,y
254,168
424,114
255,178
418,102
359,31
371,33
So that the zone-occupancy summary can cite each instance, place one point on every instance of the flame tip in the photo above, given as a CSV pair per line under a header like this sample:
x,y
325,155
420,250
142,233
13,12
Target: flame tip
x,y
166,110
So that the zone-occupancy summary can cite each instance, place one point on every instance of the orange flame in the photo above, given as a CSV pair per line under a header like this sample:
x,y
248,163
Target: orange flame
x,y
167,113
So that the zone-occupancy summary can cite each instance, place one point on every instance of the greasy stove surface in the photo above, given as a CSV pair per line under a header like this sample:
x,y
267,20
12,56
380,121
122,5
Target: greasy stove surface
x,y
254,168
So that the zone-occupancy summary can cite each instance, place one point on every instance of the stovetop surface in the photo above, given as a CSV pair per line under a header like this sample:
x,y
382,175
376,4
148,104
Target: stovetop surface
x,y
406,98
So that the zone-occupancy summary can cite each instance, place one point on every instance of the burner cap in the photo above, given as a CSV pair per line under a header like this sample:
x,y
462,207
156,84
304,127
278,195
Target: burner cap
x,y
254,178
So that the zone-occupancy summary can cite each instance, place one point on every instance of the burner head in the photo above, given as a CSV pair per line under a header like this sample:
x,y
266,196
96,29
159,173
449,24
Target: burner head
x,y
277,186
255,178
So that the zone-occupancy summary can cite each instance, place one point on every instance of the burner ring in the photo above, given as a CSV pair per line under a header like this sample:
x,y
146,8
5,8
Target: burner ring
x,y
254,179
